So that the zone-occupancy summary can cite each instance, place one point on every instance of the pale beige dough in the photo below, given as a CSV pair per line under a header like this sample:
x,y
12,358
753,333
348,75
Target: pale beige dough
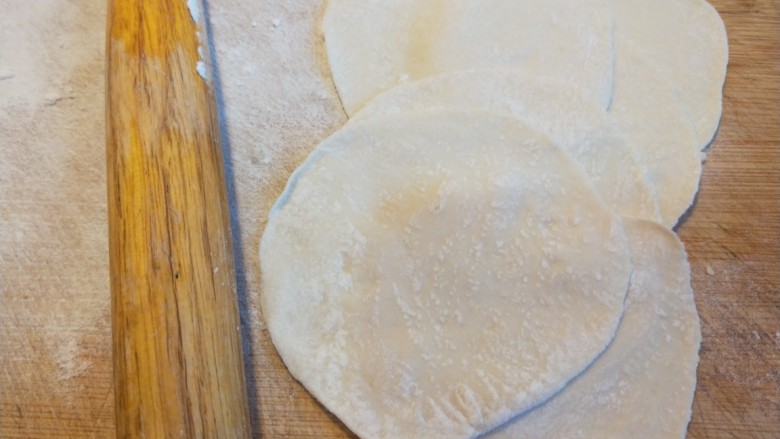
x,y
646,110
643,384
433,274
685,42
559,110
375,45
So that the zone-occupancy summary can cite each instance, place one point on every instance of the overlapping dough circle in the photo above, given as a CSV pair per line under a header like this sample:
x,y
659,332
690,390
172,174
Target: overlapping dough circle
x,y
432,274
559,110
643,384
646,110
373,46
686,43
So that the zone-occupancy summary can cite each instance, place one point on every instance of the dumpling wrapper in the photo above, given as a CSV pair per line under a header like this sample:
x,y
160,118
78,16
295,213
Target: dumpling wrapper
x,y
686,43
433,274
559,110
646,110
643,384
375,45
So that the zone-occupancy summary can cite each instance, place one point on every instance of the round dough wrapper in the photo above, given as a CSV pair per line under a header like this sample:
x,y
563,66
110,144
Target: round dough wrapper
x,y
643,384
375,45
686,43
651,118
435,273
559,110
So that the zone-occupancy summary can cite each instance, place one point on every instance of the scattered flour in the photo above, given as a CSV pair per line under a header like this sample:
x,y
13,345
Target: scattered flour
x,y
194,7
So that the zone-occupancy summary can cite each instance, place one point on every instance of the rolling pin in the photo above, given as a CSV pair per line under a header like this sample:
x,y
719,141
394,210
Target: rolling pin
x,y
178,365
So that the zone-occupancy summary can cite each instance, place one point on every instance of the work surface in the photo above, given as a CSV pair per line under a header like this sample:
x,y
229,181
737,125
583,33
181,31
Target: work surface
x,y
55,345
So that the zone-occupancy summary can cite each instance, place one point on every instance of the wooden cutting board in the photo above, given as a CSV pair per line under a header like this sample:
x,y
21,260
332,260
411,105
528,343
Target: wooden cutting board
x,y
55,359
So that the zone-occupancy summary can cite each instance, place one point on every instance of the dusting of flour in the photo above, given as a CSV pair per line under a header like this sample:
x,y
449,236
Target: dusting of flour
x,y
277,101
55,343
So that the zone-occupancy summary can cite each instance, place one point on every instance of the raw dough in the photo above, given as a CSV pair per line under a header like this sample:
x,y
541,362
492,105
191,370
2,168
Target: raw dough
x,y
559,110
375,45
685,41
643,384
648,113
433,274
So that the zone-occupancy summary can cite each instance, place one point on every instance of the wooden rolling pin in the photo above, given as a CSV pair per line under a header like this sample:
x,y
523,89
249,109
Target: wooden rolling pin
x,y
178,366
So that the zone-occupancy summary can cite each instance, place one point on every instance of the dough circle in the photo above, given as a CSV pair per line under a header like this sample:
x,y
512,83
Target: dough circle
x,y
559,110
686,43
648,113
643,384
435,273
373,46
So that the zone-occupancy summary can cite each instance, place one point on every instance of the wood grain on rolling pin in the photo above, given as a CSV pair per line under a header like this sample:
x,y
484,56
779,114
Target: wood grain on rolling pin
x,y
178,366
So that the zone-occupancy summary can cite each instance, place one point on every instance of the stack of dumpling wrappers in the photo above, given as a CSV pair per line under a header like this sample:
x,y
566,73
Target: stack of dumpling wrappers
x,y
486,247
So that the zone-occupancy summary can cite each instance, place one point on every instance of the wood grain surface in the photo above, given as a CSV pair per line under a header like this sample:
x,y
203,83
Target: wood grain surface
x,y
178,363
733,238
55,348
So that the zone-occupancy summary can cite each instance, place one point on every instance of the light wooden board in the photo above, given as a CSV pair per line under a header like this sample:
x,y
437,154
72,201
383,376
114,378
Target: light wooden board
x,y
55,367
